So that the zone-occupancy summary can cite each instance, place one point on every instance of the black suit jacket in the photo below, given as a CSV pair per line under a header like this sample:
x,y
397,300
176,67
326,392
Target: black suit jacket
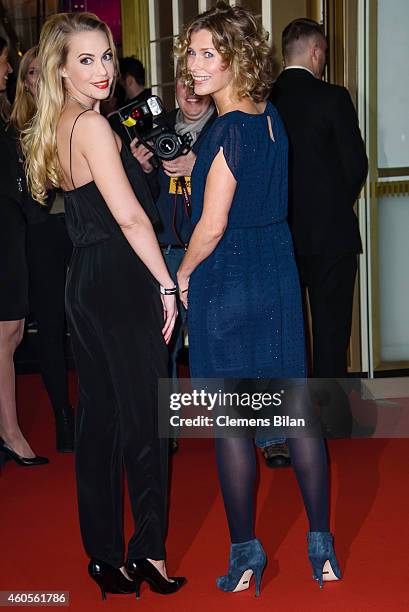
x,y
13,184
327,163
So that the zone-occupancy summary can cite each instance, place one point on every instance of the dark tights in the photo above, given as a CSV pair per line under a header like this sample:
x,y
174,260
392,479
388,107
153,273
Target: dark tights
x,y
236,463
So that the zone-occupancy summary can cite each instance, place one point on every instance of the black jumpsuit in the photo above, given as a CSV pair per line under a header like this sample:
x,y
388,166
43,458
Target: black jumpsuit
x,y
115,316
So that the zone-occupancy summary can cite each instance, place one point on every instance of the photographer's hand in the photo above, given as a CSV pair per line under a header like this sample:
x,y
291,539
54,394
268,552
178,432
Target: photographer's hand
x,y
181,166
142,155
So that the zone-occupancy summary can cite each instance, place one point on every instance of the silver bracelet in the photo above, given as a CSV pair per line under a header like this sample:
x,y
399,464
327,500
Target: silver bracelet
x,y
165,291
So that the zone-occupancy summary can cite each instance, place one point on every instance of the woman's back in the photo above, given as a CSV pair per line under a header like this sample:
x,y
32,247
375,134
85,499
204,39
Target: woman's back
x,y
244,298
256,150
89,219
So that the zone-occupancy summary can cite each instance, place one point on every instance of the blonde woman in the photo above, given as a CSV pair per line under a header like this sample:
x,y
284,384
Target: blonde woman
x,y
239,278
24,106
48,252
120,304
13,280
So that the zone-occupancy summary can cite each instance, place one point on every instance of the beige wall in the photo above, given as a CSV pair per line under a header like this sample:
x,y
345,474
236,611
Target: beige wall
x,y
283,12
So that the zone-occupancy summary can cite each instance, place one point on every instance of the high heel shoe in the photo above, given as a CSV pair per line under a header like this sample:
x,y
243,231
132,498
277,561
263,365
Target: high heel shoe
x,y
143,570
110,579
26,461
322,557
246,559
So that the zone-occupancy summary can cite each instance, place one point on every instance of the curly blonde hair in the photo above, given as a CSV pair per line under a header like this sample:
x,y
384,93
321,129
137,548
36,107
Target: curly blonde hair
x,y
39,139
242,43
24,106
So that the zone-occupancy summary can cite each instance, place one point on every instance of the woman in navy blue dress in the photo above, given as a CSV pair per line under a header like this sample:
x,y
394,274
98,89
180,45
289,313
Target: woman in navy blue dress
x,y
239,277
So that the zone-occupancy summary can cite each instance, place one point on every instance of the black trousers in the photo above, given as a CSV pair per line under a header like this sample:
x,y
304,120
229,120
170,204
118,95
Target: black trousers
x,y
48,253
330,284
115,316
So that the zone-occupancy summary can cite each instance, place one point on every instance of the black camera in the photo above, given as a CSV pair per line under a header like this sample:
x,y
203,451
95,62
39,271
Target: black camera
x,y
165,143
138,118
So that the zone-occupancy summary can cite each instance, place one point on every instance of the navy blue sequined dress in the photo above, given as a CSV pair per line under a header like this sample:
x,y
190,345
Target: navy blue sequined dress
x,y
245,314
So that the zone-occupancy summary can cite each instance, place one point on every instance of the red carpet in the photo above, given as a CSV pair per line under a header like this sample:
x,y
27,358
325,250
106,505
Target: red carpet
x,y
41,547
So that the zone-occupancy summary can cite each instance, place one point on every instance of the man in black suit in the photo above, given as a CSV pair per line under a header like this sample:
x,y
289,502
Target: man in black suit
x,y
327,168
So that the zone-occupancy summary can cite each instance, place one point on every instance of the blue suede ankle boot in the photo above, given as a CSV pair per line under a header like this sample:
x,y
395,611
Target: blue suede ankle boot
x,y
246,559
322,557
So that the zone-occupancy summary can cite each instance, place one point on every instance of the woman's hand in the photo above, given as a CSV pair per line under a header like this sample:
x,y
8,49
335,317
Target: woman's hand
x,y
183,284
170,312
142,155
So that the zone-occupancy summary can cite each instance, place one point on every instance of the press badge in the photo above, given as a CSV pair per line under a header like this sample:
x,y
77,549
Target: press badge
x,y
174,182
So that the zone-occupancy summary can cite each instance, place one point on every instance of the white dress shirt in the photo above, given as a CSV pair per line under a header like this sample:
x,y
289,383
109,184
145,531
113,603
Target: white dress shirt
x,y
301,68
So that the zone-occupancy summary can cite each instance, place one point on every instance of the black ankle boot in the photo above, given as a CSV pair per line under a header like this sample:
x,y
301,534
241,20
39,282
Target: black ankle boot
x,y
64,430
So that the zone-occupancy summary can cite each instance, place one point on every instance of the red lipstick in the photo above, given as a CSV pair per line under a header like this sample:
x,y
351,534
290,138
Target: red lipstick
x,y
101,84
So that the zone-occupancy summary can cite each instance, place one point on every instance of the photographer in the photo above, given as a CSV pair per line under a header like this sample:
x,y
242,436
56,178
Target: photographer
x,y
194,115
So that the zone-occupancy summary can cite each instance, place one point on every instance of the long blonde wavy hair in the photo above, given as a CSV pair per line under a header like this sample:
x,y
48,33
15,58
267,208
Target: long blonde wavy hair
x,y
24,106
39,139
242,43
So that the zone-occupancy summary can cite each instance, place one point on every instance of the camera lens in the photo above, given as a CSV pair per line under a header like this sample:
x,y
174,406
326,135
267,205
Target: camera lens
x,y
167,146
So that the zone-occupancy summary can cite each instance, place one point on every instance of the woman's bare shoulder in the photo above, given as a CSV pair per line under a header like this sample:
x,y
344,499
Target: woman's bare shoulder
x,y
98,125
92,120
91,126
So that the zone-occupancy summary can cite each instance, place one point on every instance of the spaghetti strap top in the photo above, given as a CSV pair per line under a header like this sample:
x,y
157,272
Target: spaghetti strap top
x,y
72,132
89,220
88,217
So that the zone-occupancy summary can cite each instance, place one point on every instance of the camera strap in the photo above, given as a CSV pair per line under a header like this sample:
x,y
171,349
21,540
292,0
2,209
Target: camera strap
x,y
181,181
186,195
